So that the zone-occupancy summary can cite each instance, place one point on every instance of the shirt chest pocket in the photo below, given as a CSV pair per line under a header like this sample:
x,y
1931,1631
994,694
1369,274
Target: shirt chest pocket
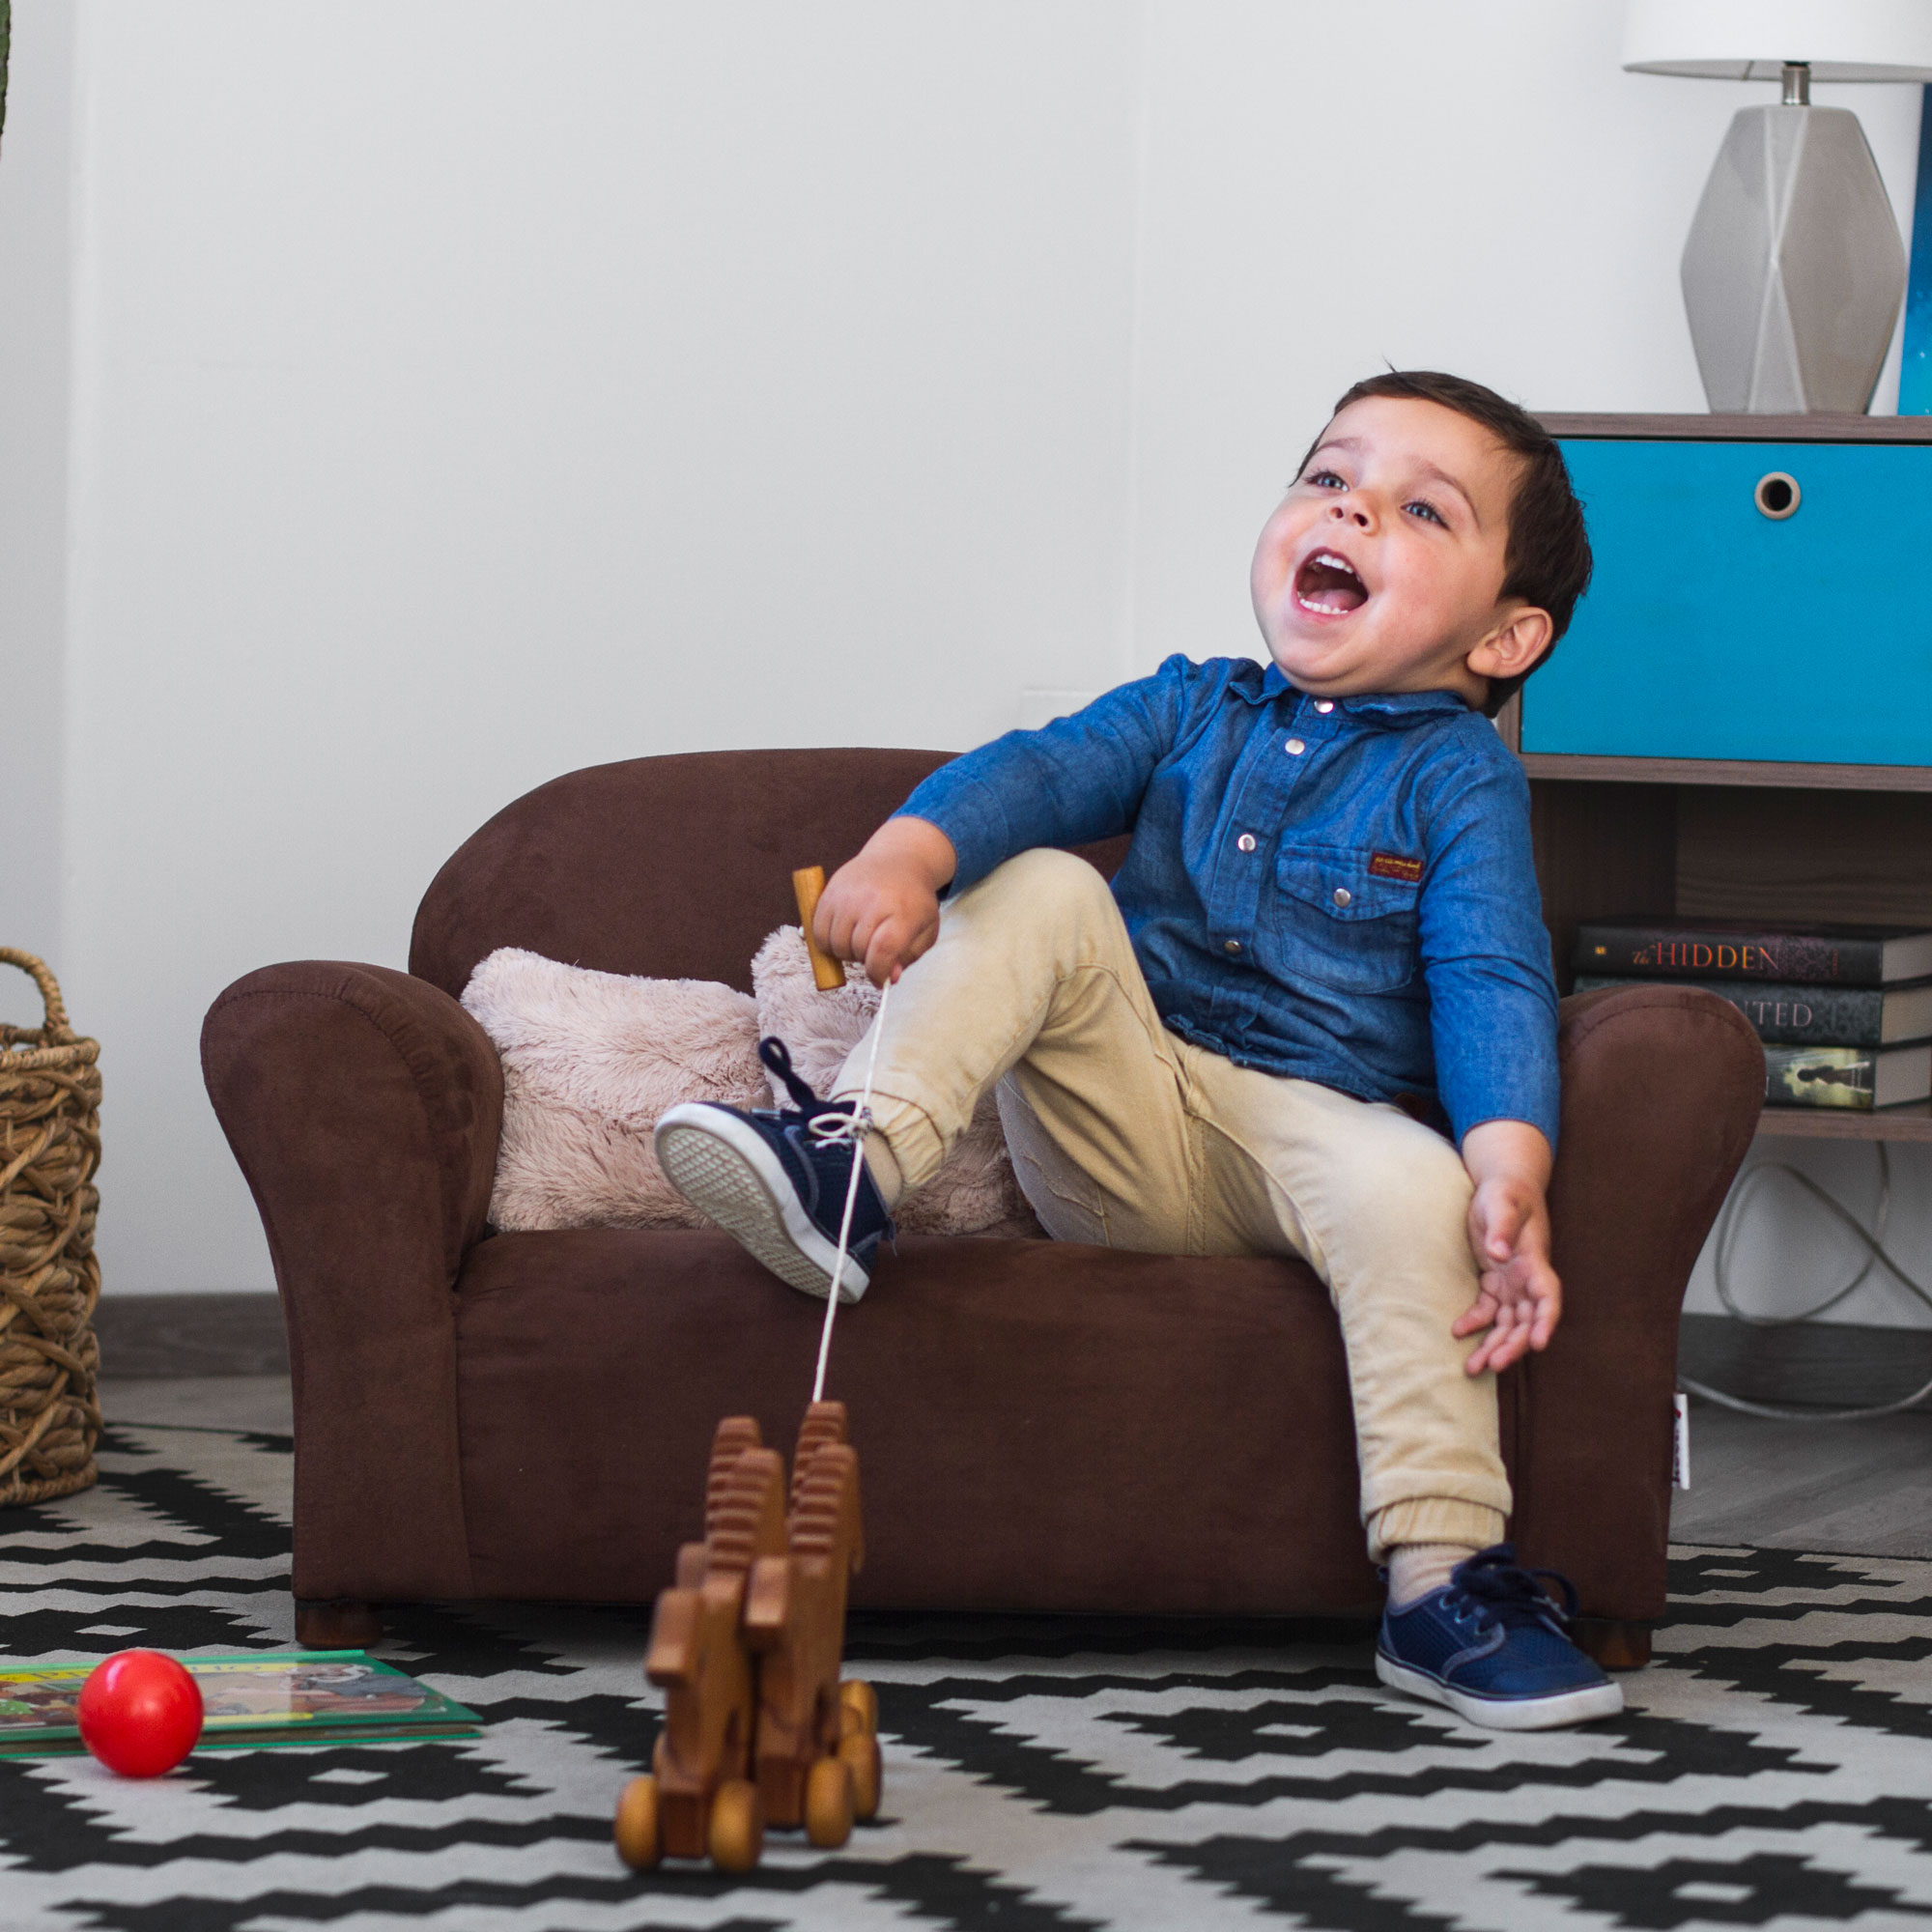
x,y
1341,920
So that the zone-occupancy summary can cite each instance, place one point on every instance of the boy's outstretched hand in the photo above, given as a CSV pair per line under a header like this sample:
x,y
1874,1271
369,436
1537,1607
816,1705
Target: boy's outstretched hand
x,y
882,907
1519,1299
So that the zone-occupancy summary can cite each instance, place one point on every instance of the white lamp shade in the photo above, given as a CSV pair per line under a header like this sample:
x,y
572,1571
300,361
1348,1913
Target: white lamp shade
x,y
1751,40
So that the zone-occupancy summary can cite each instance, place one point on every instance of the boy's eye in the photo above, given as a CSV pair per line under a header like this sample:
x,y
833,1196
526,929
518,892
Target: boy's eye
x,y
1427,510
1324,479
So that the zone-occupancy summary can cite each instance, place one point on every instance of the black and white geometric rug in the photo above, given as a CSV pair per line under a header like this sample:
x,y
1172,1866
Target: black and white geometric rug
x,y
1774,1768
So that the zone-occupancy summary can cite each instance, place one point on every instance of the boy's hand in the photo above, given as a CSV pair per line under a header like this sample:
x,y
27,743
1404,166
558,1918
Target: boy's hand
x,y
1521,1297
883,907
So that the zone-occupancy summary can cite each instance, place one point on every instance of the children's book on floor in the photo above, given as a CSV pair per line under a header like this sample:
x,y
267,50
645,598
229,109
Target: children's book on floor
x,y
257,1699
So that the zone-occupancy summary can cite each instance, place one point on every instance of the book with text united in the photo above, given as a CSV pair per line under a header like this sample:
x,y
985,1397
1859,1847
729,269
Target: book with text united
x,y
1795,1015
1808,956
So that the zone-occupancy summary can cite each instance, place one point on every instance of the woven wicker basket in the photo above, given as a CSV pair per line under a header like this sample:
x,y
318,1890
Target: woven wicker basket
x,y
49,1281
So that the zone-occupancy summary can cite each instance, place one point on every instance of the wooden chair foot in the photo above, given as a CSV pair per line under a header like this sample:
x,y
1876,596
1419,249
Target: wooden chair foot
x,y
1615,1642
337,1623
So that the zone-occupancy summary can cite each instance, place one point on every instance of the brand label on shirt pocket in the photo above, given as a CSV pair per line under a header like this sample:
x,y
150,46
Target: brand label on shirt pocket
x,y
1388,866
1342,918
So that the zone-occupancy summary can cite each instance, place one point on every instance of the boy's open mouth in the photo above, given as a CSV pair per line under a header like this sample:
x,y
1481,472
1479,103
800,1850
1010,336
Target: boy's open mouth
x,y
1327,584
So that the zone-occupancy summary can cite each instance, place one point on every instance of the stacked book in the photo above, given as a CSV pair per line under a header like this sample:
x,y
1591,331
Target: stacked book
x,y
1844,1011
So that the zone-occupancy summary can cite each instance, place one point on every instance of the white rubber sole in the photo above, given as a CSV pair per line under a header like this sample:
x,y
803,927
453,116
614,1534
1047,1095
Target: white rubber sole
x,y
1500,1714
723,1167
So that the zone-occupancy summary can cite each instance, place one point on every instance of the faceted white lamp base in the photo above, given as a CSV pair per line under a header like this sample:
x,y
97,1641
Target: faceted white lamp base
x,y
1794,270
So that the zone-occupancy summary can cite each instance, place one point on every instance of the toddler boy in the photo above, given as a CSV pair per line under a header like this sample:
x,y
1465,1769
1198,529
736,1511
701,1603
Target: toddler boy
x,y
1313,1015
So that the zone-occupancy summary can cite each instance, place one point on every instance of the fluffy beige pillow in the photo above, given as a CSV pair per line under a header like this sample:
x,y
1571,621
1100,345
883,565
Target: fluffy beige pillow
x,y
590,1059
976,1192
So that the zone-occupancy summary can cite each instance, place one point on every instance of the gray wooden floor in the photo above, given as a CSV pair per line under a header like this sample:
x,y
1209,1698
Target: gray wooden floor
x,y
220,1402
1863,1488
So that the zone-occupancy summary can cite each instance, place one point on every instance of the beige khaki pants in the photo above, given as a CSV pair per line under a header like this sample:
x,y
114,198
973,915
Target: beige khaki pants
x,y
1127,1136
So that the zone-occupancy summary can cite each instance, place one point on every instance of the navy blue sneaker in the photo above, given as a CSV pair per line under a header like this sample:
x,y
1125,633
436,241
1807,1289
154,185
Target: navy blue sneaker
x,y
777,1180
1491,1645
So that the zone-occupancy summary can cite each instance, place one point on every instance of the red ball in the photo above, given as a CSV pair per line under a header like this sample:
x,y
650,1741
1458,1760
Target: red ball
x,y
140,1713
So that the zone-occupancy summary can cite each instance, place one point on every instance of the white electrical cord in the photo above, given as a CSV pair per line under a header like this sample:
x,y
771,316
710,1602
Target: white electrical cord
x,y
1873,1240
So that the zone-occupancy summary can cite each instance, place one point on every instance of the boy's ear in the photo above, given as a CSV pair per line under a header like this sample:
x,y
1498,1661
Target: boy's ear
x,y
1512,649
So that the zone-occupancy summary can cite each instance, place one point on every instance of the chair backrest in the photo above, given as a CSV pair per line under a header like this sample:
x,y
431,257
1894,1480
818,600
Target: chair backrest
x,y
674,867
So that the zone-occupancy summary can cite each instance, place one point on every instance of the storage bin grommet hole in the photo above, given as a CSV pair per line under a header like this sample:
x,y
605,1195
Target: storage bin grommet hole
x,y
1778,495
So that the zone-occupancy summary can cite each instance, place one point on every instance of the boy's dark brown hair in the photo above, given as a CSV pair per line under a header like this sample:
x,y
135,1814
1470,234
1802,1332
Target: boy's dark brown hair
x,y
1547,558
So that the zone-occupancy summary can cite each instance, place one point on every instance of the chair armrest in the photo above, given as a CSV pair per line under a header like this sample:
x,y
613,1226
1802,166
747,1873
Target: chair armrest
x,y
1661,1090
364,1108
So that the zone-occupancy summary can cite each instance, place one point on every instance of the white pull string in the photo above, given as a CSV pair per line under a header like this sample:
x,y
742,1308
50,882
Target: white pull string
x,y
853,1130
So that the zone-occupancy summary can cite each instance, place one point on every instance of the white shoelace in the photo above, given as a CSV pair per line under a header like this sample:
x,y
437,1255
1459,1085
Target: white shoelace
x,y
830,1131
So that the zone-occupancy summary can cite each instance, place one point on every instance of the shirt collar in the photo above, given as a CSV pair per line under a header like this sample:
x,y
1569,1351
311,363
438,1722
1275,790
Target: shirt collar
x,y
1399,706
1271,686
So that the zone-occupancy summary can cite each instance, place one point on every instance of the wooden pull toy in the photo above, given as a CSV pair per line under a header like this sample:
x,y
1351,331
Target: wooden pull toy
x,y
760,1728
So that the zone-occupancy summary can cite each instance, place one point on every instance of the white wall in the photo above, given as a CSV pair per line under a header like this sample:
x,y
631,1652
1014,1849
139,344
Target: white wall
x,y
1329,189
444,395
469,392
35,314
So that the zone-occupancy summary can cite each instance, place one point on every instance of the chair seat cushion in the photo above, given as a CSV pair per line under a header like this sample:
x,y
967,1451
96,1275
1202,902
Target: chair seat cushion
x,y
1041,1426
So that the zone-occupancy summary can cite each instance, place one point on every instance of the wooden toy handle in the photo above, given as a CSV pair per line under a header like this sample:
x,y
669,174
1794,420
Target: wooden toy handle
x,y
807,884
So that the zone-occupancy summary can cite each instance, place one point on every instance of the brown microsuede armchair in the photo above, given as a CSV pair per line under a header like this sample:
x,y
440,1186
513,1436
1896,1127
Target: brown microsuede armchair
x,y
1043,1427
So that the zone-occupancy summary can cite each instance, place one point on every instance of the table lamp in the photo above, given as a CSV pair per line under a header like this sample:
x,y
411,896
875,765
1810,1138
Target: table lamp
x,y
1794,270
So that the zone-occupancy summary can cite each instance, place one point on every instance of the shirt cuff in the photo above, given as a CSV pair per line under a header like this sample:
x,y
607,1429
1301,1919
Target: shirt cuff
x,y
971,816
1535,1104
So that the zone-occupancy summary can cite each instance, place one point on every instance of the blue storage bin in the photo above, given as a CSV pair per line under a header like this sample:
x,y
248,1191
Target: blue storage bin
x,y
1715,631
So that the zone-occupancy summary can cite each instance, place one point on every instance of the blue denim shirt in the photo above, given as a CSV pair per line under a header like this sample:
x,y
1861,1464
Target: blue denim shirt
x,y
1342,890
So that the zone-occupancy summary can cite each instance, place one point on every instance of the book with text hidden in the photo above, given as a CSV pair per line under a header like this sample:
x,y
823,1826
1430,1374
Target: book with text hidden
x,y
1797,1015
1701,949
1857,1077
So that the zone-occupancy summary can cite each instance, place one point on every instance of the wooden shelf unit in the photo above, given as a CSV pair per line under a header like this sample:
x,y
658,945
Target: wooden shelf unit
x,y
1728,841
1730,772
1912,1122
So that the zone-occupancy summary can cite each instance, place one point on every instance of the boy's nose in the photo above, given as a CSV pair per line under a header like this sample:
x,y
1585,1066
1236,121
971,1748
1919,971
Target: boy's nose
x,y
1354,511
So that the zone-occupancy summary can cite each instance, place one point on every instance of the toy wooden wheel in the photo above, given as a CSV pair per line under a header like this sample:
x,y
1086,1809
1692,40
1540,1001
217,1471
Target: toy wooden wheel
x,y
858,1752
828,1804
737,1825
858,1708
637,1831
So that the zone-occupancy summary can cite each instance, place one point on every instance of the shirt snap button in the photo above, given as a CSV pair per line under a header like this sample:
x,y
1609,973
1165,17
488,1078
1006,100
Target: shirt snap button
x,y
1325,706
1245,842
1295,748
1231,946
1343,896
